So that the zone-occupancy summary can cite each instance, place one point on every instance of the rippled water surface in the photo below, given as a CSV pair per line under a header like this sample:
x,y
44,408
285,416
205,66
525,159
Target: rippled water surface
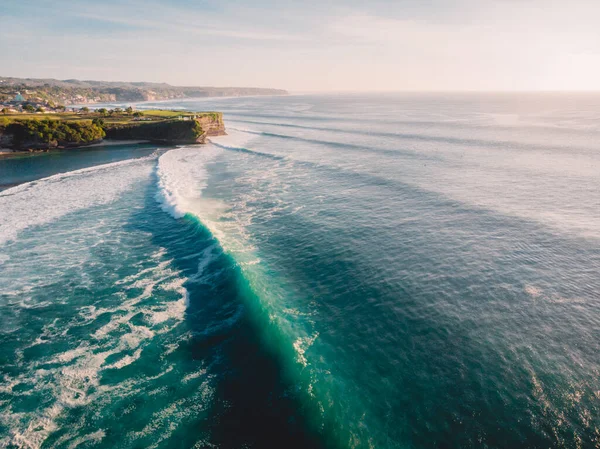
x,y
383,271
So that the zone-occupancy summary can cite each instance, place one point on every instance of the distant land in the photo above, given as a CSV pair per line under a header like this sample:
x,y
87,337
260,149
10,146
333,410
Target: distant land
x,y
74,91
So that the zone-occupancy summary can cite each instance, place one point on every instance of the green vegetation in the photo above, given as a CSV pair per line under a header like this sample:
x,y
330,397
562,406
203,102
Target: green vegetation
x,y
43,133
168,113
51,130
161,113
167,131
112,116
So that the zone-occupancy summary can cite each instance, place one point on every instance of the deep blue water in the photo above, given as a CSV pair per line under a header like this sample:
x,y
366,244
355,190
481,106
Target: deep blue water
x,y
344,271
30,167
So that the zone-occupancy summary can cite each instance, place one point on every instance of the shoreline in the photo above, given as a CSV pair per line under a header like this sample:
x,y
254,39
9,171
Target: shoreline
x,y
114,142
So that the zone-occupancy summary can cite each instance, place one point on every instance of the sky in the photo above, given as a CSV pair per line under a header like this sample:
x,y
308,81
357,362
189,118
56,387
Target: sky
x,y
301,46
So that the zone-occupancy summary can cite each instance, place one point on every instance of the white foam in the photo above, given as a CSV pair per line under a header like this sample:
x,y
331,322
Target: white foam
x,y
182,177
173,310
127,360
533,291
95,437
182,180
194,375
164,422
75,382
47,199
301,345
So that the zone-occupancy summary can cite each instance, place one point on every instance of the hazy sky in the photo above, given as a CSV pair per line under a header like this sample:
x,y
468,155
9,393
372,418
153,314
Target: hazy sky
x,y
304,46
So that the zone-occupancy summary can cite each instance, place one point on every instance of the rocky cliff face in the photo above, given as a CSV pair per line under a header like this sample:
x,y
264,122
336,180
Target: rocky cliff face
x,y
179,131
212,124
6,140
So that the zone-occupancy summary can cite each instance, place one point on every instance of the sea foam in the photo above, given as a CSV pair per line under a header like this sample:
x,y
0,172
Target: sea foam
x,y
182,174
181,178
45,200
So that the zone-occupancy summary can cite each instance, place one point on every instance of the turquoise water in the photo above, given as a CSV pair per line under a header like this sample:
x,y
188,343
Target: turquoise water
x,y
383,271
30,167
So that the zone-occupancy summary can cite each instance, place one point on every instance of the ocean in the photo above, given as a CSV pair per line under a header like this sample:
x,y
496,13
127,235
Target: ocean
x,y
340,271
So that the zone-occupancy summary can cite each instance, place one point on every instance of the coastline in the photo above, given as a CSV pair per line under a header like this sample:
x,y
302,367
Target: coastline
x,y
178,100
24,135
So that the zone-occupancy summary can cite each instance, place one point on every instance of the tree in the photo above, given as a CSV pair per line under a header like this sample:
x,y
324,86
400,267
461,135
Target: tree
x,y
29,108
40,109
85,109
61,107
55,132
4,110
98,122
103,111
138,114
118,110
129,110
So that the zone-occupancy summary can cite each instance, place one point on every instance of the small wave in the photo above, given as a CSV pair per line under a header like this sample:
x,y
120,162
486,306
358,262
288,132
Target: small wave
x,y
413,136
341,145
248,151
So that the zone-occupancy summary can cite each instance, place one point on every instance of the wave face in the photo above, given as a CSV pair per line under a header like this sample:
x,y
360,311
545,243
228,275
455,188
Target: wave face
x,y
340,271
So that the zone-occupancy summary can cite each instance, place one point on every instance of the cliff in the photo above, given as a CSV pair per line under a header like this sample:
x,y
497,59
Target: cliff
x,y
188,130
22,133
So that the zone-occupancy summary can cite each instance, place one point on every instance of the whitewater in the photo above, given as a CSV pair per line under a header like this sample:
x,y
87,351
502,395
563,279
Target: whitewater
x,y
344,271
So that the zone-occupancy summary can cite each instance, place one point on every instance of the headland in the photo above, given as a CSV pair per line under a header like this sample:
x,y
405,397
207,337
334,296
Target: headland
x,y
43,131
